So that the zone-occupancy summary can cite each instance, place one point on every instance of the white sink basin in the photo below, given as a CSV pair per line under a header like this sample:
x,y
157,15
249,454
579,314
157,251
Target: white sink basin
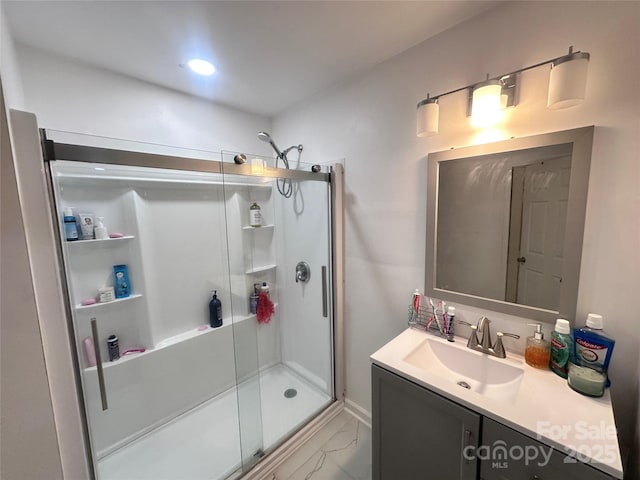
x,y
475,371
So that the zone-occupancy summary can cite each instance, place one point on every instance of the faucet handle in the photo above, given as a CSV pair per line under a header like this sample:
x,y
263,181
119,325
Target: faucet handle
x,y
504,334
473,338
498,347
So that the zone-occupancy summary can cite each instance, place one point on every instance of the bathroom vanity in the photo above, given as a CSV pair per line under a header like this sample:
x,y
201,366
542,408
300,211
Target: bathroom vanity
x,y
443,411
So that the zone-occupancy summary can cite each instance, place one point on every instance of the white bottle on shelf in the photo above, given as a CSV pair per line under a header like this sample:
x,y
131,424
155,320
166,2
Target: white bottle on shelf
x,y
255,215
101,230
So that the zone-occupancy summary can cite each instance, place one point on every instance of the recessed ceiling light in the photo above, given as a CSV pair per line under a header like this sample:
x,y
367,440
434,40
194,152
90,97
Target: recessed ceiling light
x,y
201,67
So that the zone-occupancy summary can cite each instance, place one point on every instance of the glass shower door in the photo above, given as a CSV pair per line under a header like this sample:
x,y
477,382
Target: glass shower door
x,y
281,300
163,403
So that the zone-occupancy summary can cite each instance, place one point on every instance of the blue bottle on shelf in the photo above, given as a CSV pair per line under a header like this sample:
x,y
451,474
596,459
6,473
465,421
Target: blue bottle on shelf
x,y
70,226
121,283
215,311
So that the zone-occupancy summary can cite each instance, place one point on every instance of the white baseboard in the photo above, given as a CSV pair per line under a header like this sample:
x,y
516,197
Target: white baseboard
x,y
357,411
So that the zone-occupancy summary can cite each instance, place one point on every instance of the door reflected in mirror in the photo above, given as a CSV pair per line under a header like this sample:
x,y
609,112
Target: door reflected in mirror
x,y
501,222
505,223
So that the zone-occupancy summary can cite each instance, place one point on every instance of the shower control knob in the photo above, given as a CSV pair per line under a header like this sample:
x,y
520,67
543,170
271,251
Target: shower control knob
x,y
303,271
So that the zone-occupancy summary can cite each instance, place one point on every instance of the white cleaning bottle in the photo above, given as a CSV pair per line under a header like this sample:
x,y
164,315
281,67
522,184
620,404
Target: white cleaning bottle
x,y
100,230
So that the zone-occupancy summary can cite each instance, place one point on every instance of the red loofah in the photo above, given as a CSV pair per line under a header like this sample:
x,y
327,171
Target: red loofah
x,y
265,308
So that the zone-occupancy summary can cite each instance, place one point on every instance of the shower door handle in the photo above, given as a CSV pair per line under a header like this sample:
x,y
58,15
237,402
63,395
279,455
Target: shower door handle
x,y
96,346
325,310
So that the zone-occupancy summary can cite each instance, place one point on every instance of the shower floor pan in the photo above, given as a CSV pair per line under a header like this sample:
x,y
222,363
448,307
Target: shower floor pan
x,y
204,443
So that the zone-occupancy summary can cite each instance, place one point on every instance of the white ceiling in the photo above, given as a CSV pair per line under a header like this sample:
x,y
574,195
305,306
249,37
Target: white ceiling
x,y
269,55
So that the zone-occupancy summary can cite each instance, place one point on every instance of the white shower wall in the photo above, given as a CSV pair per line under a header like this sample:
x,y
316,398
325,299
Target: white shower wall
x,y
184,260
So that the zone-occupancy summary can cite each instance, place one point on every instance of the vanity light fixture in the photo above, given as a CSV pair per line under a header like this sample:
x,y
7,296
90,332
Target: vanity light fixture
x,y
568,80
567,86
428,117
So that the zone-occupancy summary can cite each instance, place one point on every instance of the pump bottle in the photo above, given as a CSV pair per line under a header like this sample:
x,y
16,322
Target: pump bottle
x,y
537,352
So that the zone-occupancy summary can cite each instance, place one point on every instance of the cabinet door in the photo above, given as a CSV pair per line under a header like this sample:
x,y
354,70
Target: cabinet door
x,y
417,434
514,456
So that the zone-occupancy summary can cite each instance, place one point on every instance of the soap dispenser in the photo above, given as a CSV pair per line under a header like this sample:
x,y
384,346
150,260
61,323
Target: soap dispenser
x,y
538,350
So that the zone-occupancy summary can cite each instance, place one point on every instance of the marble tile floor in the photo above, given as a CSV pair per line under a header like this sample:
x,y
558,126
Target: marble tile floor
x,y
341,450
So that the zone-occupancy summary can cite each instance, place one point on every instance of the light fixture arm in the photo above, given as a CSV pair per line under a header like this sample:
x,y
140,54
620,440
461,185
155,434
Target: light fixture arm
x,y
556,60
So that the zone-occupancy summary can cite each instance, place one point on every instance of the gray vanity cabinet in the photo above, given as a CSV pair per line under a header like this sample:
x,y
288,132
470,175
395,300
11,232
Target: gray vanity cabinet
x,y
417,434
537,461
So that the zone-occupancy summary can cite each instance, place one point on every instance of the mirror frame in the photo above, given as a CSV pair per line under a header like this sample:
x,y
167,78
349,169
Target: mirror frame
x,y
582,141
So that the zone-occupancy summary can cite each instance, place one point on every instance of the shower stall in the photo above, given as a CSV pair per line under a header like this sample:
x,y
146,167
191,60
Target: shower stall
x,y
166,394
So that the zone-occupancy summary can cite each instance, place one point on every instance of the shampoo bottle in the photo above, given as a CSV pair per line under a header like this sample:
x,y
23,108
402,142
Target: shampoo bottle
x,y
215,311
537,352
255,215
121,283
561,348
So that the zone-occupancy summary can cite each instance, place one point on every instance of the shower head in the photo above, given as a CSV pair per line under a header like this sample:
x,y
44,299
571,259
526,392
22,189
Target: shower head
x,y
265,137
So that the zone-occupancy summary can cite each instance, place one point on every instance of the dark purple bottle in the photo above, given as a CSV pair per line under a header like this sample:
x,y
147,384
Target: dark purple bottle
x,y
215,311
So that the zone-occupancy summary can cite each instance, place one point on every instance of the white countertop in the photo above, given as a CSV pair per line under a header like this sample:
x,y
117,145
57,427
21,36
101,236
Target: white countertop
x,y
545,408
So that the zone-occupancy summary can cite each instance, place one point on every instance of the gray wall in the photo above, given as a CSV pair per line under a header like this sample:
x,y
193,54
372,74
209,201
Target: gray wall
x,y
370,121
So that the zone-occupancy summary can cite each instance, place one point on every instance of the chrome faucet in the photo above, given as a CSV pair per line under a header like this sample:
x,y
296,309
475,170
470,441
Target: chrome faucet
x,y
485,328
496,349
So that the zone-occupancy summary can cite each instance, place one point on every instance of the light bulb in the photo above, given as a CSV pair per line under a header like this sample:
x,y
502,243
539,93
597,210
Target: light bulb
x,y
201,67
486,106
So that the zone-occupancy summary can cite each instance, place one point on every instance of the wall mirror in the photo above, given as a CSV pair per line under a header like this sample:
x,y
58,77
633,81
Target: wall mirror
x,y
505,223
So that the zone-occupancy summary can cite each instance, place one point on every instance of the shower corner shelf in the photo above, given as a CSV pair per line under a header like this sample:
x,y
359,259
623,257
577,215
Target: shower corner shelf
x,y
133,296
262,268
263,227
